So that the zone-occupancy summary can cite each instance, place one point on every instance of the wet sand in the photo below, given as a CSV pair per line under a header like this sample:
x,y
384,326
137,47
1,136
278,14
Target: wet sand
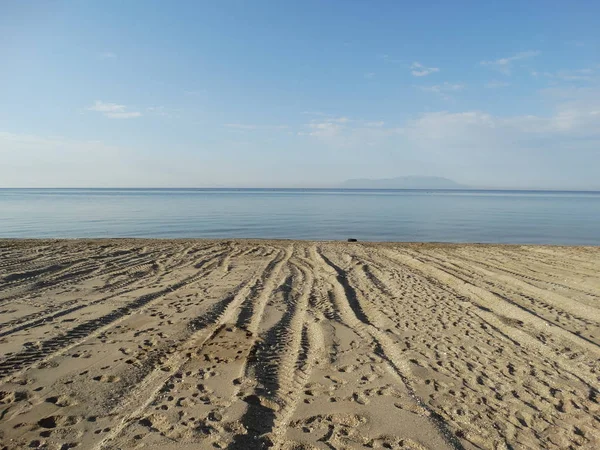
x,y
179,344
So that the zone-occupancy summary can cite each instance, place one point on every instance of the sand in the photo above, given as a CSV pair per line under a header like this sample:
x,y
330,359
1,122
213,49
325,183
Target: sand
x,y
109,344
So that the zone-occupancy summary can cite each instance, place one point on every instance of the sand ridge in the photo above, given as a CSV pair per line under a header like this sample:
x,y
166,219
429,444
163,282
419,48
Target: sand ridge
x,y
242,344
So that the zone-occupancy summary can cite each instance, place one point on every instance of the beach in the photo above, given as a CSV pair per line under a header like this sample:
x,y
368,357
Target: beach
x,y
243,344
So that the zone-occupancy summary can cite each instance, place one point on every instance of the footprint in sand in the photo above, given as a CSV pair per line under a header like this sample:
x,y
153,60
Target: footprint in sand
x,y
60,401
107,378
12,397
51,422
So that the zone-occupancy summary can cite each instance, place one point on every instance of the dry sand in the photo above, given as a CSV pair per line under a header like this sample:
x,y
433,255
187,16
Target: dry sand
x,y
298,345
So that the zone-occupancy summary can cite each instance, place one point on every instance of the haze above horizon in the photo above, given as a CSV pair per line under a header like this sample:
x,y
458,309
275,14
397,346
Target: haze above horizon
x,y
276,94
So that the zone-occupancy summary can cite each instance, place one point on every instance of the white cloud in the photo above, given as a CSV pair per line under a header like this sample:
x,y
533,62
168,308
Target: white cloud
x,y
566,120
485,131
328,127
339,119
113,110
370,75
107,55
557,150
123,115
252,127
329,117
495,84
419,70
314,113
346,132
106,107
240,126
444,87
157,110
586,74
325,129
504,65
388,59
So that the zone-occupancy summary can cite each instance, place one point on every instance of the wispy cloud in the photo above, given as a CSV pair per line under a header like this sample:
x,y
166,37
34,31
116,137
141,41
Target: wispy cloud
x,y
333,126
158,111
377,124
504,65
389,59
443,90
444,87
328,117
567,75
252,127
195,92
573,119
576,43
575,75
563,142
342,119
107,55
341,131
369,75
113,110
240,126
327,126
314,113
324,129
419,70
495,84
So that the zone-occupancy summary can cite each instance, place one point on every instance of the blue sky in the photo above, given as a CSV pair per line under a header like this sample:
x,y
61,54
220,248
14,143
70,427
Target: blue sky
x,y
278,93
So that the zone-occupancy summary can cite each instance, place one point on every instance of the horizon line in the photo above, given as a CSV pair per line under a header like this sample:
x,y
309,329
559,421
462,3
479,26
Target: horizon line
x,y
466,188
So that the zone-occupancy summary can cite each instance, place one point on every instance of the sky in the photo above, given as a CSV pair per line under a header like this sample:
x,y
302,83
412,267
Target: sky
x,y
494,94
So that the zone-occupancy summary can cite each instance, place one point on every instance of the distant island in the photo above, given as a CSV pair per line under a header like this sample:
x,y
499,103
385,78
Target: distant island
x,y
410,182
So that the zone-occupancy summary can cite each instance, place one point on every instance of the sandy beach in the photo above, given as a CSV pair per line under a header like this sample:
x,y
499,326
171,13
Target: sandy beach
x,y
180,344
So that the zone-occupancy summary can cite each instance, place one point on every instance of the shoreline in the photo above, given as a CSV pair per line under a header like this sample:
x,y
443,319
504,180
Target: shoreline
x,y
248,343
267,241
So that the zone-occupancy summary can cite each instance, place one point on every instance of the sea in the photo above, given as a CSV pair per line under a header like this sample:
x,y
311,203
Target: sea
x,y
486,216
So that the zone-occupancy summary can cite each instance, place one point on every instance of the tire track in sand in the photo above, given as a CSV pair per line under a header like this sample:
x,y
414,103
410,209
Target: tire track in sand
x,y
50,314
204,329
492,308
25,358
280,363
347,304
253,308
527,290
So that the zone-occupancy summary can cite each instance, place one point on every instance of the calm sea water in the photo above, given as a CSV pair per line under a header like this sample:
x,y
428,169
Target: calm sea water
x,y
376,215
